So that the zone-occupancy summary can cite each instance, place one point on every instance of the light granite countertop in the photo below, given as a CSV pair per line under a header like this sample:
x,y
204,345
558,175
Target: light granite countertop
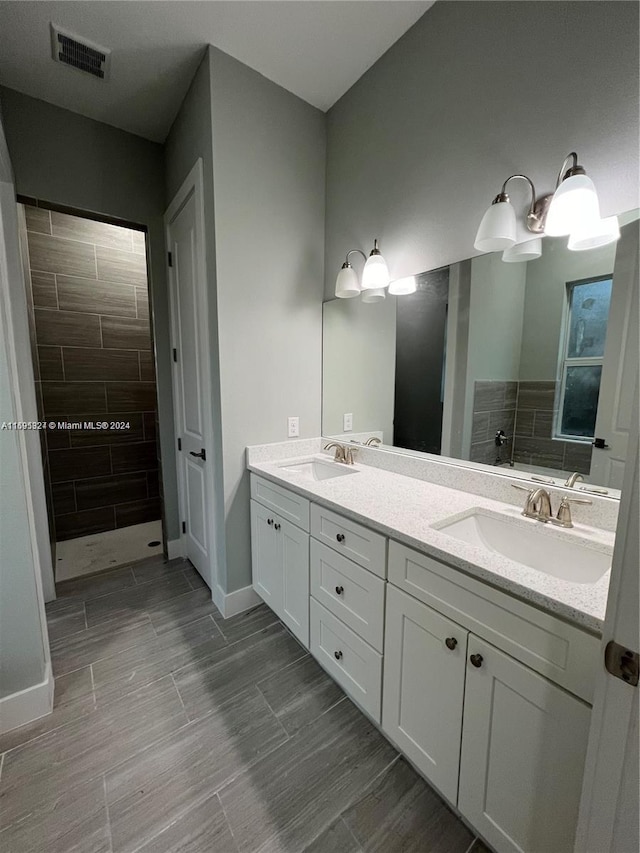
x,y
409,511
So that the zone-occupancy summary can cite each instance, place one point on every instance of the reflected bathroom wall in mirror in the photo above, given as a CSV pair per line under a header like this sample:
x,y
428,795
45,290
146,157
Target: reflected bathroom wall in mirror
x,y
517,366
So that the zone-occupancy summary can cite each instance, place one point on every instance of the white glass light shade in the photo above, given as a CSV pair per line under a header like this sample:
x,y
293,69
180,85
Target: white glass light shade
x,y
599,233
347,284
403,286
574,206
497,230
528,250
373,295
375,273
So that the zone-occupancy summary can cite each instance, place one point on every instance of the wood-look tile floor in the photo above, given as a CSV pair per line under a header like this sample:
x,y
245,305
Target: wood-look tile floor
x,y
177,730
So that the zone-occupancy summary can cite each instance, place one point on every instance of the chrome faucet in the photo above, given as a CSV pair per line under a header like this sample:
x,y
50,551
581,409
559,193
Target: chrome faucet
x,y
573,479
537,505
343,454
374,441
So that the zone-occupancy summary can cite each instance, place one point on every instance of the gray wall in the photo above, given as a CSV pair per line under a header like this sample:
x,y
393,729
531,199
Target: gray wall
x,y
70,160
269,169
190,138
474,92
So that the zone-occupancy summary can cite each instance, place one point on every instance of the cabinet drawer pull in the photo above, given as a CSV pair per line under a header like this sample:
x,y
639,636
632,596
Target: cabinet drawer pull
x,y
339,590
337,655
277,526
451,643
340,537
269,521
476,660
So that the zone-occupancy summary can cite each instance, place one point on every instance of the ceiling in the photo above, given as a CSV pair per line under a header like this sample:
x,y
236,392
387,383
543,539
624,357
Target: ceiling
x,y
316,49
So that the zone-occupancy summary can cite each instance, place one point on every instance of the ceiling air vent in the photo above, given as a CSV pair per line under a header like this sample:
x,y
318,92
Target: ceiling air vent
x,y
80,53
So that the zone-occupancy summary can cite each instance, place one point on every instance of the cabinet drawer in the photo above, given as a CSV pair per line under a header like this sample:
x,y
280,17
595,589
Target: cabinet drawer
x,y
346,657
287,504
350,539
556,649
350,592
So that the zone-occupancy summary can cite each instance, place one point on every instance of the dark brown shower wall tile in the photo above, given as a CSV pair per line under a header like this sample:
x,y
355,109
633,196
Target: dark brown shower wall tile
x,y
64,498
134,457
577,456
130,429
125,267
153,483
63,257
138,512
147,369
488,396
78,463
50,361
139,242
43,287
541,451
93,296
38,219
125,333
525,419
131,396
543,424
97,365
74,397
503,419
90,231
58,439
537,395
105,491
510,394
83,523
479,426
150,427
68,328
486,452
142,303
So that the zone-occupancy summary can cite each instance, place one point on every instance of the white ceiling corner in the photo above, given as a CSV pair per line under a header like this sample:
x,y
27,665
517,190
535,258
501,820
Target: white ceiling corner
x,y
316,49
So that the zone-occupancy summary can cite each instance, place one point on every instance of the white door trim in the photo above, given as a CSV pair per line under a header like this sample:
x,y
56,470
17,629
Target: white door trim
x,y
193,184
609,804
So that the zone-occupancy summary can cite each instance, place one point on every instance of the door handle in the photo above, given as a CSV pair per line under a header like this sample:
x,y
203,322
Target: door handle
x,y
202,455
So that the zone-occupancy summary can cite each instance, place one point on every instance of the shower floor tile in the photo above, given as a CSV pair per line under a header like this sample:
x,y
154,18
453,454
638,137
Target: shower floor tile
x,y
88,554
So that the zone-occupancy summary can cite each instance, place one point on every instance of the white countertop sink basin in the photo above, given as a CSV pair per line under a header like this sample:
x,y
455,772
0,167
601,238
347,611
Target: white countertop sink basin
x,y
319,469
543,547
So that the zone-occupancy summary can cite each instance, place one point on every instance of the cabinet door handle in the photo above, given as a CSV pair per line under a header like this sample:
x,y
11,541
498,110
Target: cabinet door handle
x,y
277,526
339,590
269,521
340,537
476,660
337,655
451,643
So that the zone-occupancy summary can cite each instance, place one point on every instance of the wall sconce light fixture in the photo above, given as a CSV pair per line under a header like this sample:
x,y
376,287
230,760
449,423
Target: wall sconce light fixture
x,y
573,209
375,277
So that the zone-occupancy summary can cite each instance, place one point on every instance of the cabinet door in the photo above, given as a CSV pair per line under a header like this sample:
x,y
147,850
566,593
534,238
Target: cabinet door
x,y
266,567
293,548
523,749
424,688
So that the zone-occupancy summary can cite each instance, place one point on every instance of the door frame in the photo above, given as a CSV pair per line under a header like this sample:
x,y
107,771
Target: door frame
x,y
607,791
193,184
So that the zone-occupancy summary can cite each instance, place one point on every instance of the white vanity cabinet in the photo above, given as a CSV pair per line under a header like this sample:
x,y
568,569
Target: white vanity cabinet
x,y
501,741
280,554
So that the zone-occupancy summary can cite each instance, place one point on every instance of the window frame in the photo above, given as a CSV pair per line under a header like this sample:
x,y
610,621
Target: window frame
x,y
565,361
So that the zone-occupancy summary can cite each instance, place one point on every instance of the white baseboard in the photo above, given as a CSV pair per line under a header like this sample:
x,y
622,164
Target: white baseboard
x,y
175,548
27,705
235,602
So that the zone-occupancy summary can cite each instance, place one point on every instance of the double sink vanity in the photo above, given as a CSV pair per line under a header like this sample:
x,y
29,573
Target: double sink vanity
x,y
469,634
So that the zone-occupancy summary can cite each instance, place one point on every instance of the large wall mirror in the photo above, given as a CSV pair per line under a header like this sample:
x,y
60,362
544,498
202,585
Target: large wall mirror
x,y
528,368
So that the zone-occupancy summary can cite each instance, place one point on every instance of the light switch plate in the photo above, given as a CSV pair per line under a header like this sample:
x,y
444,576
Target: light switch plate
x,y
294,427
347,422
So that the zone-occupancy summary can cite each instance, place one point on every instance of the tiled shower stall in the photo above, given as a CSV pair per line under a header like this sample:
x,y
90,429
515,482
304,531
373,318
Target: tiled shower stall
x,y
93,363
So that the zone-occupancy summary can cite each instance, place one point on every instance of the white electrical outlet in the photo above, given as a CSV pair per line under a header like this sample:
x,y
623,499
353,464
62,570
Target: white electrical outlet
x,y
347,422
294,427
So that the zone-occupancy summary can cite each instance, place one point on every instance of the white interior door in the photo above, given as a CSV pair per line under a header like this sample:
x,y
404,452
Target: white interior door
x,y
620,368
610,805
191,383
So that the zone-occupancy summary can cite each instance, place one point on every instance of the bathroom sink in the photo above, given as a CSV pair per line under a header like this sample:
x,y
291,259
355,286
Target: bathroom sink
x,y
557,553
317,469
